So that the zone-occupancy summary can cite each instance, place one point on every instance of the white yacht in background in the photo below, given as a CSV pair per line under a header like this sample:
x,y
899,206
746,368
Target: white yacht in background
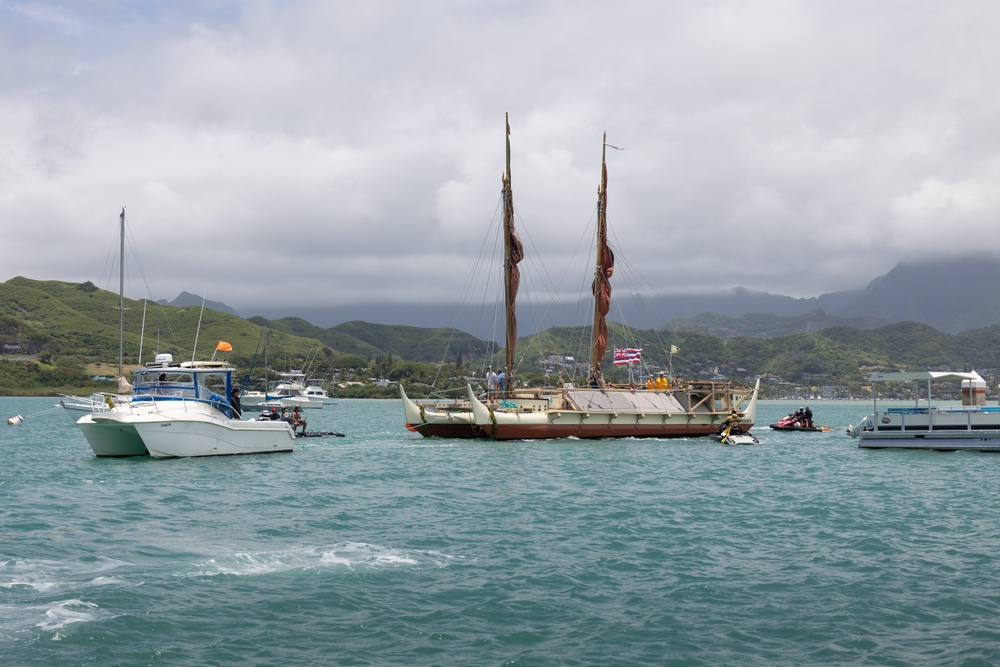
x,y
316,392
290,391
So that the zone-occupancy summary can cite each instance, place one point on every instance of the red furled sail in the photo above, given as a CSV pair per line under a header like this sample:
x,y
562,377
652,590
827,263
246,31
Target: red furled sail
x,y
514,253
605,267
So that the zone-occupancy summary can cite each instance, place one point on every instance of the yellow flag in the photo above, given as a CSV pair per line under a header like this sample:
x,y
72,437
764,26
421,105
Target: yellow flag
x,y
223,346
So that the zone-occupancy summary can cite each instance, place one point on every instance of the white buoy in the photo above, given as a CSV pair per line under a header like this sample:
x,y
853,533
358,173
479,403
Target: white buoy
x,y
15,420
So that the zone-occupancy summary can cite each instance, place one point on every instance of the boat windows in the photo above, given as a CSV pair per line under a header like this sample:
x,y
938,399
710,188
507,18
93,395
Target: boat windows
x,y
159,383
213,383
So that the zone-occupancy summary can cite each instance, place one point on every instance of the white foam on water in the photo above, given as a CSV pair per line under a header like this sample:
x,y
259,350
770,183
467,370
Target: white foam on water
x,y
67,612
360,553
45,576
247,564
348,554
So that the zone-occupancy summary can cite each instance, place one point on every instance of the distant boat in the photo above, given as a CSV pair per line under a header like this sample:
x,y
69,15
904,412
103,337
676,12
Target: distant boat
x,y
290,391
101,401
77,406
970,426
315,391
600,410
182,410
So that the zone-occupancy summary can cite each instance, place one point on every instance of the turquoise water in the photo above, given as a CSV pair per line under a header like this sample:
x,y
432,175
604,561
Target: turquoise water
x,y
384,548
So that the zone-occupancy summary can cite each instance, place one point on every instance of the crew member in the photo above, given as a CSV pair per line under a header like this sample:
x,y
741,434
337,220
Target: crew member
x,y
234,401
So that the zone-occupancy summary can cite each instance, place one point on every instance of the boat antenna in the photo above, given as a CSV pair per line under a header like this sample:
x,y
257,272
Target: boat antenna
x,y
198,330
121,292
246,382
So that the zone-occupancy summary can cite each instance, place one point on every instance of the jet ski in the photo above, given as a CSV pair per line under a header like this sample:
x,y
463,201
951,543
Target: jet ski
x,y
791,423
734,436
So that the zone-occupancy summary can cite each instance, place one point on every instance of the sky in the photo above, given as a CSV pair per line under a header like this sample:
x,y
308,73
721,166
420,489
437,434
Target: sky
x,y
325,153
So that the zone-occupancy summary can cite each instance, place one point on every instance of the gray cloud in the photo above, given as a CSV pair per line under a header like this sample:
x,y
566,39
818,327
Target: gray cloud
x,y
329,153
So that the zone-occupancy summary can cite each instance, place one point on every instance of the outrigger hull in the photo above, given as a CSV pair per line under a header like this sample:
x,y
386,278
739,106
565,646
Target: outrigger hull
x,y
430,422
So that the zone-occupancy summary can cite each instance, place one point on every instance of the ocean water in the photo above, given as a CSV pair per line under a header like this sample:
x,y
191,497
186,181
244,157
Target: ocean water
x,y
384,548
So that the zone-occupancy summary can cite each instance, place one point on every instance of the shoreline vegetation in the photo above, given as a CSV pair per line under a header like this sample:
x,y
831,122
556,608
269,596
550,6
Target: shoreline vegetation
x,y
62,338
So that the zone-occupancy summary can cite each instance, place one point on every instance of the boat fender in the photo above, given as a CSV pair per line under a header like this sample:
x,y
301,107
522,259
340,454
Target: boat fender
x,y
15,420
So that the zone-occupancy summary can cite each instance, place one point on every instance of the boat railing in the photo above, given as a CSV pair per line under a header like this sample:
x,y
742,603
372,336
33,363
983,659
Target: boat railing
x,y
940,409
215,401
922,419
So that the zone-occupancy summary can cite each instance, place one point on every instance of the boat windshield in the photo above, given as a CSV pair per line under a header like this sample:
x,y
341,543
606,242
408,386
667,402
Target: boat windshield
x,y
181,383
164,382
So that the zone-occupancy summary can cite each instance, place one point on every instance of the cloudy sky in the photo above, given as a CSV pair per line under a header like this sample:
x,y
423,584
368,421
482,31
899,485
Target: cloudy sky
x,y
326,153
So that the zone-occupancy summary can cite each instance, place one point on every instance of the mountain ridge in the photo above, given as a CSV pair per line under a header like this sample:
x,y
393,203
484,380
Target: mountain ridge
x,y
952,295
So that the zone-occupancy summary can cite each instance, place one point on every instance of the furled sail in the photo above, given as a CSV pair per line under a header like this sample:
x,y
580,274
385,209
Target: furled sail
x,y
514,253
605,267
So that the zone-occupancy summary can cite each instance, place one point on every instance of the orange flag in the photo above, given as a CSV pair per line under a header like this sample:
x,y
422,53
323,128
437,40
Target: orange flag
x,y
223,346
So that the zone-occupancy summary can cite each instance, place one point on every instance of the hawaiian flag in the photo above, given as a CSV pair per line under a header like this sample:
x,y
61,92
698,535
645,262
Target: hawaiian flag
x,y
627,355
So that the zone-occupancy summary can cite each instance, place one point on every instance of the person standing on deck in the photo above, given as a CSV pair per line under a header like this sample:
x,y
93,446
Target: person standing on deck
x,y
234,401
491,383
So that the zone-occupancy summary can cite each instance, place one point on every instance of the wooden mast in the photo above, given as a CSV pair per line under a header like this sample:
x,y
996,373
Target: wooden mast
x,y
513,253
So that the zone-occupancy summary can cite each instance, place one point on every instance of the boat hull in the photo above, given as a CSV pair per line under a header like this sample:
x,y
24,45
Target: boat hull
x,y
735,439
110,438
979,441
803,429
201,435
436,423
598,428
598,423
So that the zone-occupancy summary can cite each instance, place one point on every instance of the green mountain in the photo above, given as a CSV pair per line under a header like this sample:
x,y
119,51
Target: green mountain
x,y
81,321
51,332
365,340
769,325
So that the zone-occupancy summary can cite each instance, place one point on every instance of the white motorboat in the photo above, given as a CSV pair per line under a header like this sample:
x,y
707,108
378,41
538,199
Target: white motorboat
x,y
316,392
291,392
179,411
101,401
972,425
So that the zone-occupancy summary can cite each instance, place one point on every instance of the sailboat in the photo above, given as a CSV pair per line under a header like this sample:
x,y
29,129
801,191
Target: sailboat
x,y
454,419
602,410
78,406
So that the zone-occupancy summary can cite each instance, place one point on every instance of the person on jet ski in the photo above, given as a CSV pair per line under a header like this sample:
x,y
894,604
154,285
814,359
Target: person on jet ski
x,y
732,423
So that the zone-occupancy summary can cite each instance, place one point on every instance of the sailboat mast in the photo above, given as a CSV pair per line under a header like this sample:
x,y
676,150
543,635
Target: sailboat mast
x,y
605,267
121,293
513,253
